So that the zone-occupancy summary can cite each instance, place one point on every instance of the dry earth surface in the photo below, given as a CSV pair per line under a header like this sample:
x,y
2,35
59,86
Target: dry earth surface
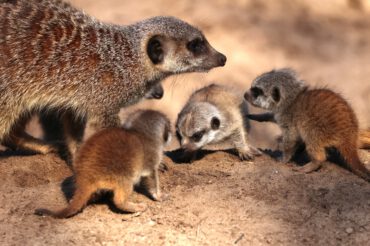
x,y
218,200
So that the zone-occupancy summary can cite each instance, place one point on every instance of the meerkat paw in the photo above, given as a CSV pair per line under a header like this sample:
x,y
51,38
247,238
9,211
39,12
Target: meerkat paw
x,y
256,151
132,207
308,168
163,167
248,153
160,197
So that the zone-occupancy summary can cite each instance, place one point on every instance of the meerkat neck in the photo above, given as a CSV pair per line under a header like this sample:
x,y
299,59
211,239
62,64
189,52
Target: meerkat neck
x,y
288,102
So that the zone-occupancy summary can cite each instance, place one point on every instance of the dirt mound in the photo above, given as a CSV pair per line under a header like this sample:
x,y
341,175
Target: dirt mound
x,y
216,200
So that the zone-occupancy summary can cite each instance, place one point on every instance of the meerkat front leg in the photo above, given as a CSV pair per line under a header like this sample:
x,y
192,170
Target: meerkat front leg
x,y
245,151
289,142
151,183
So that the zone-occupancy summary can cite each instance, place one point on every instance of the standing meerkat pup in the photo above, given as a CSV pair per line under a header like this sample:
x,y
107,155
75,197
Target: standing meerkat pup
x,y
118,158
215,115
320,118
54,56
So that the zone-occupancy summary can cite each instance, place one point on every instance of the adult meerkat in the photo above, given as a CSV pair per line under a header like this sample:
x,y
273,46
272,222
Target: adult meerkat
x,y
54,56
320,118
118,158
215,115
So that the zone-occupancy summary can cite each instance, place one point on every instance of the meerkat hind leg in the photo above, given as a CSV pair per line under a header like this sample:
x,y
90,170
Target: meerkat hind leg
x,y
121,194
20,140
318,157
245,151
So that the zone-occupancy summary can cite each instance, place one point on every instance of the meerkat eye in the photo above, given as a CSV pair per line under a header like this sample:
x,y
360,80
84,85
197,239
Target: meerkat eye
x,y
256,92
215,123
155,50
275,94
196,46
196,137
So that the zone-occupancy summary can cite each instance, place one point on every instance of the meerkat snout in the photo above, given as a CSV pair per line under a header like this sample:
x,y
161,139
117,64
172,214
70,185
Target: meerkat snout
x,y
260,98
222,59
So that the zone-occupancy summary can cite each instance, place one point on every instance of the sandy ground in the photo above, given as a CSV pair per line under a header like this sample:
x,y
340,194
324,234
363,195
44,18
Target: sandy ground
x,y
218,200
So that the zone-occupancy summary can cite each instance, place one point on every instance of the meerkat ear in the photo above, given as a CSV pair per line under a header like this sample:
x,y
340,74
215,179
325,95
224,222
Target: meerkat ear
x,y
155,50
215,123
275,94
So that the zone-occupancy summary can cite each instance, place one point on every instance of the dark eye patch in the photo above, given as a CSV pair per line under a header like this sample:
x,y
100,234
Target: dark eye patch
x,y
196,137
197,46
256,92
178,135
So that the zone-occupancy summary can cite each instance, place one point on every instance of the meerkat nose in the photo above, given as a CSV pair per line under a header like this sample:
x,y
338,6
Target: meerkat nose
x,y
222,59
246,96
158,94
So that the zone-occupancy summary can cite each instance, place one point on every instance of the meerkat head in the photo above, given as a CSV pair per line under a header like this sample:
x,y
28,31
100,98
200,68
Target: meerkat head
x,y
173,46
274,90
197,125
152,124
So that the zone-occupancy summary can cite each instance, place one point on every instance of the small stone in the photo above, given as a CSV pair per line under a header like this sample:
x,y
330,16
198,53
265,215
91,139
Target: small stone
x,y
349,230
152,223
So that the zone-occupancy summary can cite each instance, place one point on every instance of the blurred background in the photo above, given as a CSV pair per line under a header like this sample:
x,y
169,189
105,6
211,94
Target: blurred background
x,y
326,42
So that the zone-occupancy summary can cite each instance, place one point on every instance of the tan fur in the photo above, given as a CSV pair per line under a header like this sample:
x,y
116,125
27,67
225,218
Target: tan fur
x,y
118,158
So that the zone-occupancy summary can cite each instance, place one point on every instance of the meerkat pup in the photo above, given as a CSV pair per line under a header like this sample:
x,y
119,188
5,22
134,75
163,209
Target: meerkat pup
x,y
320,118
215,115
54,56
118,158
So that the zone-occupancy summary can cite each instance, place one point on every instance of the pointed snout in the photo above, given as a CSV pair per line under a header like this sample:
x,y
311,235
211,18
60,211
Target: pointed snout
x,y
221,58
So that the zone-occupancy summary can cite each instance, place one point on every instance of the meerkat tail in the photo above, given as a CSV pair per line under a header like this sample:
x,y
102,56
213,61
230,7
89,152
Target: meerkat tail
x,y
364,139
78,202
353,161
266,117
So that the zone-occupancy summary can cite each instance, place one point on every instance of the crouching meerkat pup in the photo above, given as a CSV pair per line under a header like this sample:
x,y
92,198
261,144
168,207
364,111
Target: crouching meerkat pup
x,y
118,158
320,118
215,115
54,56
